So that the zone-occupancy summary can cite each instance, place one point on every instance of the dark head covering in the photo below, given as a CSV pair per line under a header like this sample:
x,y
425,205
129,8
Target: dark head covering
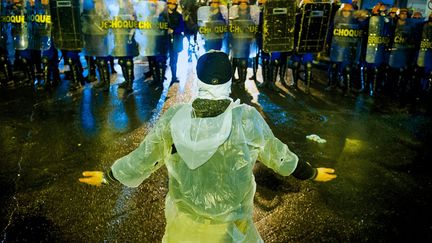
x,y
214,67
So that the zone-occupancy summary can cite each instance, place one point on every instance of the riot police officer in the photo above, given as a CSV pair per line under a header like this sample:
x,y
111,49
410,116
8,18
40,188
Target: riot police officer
x,y
212,21
380,32
259,41
270,61
96,38
175,32
189,12
5,34
43,45
402,54
67,36
125,46
21,30
345,48
241,38
424,59
304,59
153,41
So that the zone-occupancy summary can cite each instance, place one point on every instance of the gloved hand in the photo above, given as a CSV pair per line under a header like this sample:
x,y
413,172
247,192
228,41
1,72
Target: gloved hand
x,y
94,178
325,174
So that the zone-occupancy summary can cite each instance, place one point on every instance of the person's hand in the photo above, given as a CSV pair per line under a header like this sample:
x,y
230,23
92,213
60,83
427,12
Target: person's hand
x,y
325,174
94,178
170,31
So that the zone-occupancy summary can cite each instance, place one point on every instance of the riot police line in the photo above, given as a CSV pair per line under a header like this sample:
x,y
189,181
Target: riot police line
x,y
364,48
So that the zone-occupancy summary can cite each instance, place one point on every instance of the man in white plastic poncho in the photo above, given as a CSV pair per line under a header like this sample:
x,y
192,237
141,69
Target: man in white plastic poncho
x,y
209,147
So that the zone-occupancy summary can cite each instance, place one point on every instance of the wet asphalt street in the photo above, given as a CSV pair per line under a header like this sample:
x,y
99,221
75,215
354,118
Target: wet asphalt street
x,y
381,151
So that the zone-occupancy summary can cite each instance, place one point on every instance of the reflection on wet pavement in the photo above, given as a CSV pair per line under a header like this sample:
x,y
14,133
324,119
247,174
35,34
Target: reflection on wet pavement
x,y
380,152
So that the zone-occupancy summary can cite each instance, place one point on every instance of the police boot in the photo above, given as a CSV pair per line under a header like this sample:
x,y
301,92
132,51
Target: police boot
x,y
429,82
151,71
274,70
282,73
363,71
373,83
174,78
416,81
37,61
390,80
46,72
368,79
91,69
398,86
55,71
265,73
154,72
308,76
29,70
254,67
332,76
126,65
111,64
80,71
346,80
295,71
160,74
6,69
242,71
104,74
76,79
173,66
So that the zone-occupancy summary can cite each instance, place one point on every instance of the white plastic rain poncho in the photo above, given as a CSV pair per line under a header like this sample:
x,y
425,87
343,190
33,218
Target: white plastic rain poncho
x,y
210,196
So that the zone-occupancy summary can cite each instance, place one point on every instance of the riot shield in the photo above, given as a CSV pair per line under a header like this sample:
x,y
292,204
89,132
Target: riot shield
x,y
243,25
122,23
151,35
40,19
403,49
212,24
425,53
97,41
347,39
3,25
66,24
278,25
17,18
314,21
378,40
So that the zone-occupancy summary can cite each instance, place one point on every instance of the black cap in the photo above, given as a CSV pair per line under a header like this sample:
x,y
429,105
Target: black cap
x,y
214,67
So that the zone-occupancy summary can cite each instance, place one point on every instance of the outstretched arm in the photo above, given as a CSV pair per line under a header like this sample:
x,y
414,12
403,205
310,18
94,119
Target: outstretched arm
x,y
277,156
132,169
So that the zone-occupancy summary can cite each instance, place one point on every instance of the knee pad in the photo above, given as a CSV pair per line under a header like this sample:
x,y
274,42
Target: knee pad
x,y
121,61
243,62
69,61
129,63
101,61
45,61
23,60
